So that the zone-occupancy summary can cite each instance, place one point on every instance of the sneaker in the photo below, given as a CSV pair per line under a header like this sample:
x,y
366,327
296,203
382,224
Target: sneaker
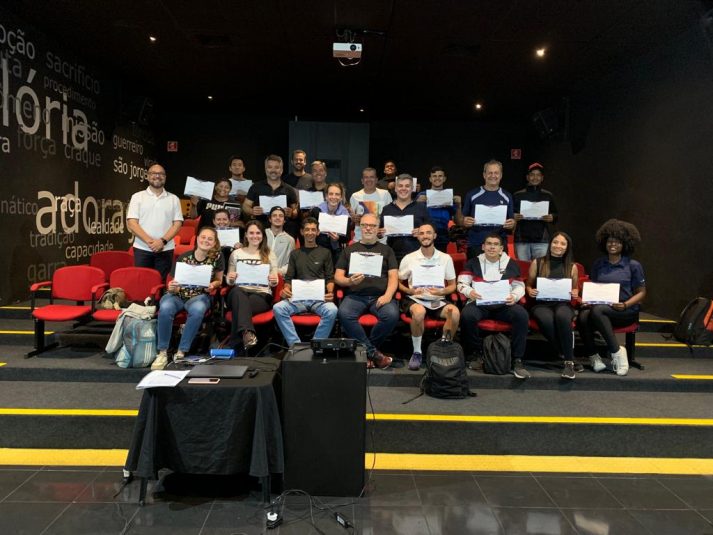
x,y
415,363
476,364
249,339
519,371
578,367
160,361
620,361
179,356
568,372
381,361
597,363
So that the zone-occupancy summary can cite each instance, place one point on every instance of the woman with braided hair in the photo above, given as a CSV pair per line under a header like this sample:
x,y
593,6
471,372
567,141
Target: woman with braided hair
x,y
616,239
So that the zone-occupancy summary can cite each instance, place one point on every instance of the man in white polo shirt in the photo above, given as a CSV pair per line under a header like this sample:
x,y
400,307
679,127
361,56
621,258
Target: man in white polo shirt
x,y
154,218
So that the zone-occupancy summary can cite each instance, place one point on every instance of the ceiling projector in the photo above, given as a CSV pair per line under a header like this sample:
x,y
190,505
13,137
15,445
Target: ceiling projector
x,y
346,50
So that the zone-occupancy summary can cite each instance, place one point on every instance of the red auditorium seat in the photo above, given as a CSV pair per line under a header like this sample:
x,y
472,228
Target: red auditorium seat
x,y
138,283
108,261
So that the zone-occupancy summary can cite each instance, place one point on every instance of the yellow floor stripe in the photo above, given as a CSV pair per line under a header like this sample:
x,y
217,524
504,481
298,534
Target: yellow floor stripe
x,y
398,461
656,321
693,377
15,308
527,463
670,344
3,363
24,332
69,412
541,419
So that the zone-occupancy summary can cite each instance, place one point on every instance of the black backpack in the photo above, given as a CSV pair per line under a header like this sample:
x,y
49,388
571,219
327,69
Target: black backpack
x,y
496,354
695,326
445,375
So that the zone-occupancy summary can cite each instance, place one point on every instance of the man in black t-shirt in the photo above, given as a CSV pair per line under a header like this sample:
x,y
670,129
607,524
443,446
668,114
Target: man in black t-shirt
x,y
273,186
371,293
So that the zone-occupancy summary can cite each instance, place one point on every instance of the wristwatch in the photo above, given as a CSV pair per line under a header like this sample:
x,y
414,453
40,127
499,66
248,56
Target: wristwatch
x,y
165,241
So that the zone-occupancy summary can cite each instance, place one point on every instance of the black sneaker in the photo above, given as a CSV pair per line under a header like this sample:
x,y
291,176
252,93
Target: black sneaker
x,y
476,364
568,372
519,371
578,367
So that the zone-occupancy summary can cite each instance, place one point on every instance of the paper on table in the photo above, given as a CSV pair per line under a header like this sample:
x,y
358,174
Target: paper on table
x,y
553,289
436,197
200,188
162,378
490,215
398,225
228,236
596,293
428,276
189,275
241,186
534,210
333,223
267,202
250,274
492,293
368,264
310,199
303,290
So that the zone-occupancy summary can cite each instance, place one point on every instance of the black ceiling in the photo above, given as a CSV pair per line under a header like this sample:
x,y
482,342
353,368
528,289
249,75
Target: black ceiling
x,y
421,59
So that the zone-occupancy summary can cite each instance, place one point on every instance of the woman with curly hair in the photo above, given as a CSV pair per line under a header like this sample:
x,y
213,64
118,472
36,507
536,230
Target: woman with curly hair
x,y
616,239
194,299
555,317
248,300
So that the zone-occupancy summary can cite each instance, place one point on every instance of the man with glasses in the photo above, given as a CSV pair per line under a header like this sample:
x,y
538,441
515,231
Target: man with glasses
x,y
154,217
371,293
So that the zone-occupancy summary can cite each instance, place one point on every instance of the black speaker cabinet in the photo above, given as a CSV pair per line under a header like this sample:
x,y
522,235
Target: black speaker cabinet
x,y
324,406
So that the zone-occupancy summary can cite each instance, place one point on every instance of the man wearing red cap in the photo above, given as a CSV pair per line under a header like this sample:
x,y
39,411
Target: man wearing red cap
x,y
532,234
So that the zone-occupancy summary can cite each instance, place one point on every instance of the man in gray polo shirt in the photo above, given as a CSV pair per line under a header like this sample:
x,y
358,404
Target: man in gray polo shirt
x,y
154,218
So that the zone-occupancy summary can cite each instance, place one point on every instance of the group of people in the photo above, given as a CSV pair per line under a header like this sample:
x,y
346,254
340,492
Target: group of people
x,y
306,254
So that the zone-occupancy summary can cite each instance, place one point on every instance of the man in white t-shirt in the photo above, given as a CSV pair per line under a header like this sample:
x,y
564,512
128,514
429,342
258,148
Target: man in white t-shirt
x,y
421,301
369,200
154,218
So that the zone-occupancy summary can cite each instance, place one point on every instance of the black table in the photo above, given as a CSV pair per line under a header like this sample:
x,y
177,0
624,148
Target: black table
x,y
228,428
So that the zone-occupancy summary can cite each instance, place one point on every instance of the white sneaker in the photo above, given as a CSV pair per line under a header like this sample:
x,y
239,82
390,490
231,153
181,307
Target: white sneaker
x,y
160,361
596,362
179,356
620,361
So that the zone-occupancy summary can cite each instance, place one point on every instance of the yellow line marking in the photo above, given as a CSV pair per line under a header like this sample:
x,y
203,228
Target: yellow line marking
x,y
400,461
24,332
670,344
541,419
69,412
692,377
15,308
3,363
657,321
532,463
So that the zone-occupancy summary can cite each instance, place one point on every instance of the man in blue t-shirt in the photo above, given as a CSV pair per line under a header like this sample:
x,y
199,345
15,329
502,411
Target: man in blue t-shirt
x,y
489,195
441,216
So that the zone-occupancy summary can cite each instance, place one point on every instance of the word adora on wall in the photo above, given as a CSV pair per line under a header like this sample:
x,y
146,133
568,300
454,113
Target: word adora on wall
x,y
69,159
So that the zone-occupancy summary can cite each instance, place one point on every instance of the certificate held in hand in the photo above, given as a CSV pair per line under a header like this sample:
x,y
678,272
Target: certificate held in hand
x,y
190,275
492,293
267,202
199,188
310,199
436,198
428,276
492,216
534,210
368,264
228,237
333,223
303,290
398,225
252,274
553,289
599,293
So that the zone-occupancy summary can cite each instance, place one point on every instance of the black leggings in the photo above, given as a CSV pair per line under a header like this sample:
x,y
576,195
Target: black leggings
x,y
603,318
555,322
244,306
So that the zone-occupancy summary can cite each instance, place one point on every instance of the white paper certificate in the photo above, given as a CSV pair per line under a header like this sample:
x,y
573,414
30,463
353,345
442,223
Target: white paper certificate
x,y
553,289
596,293
534,210
308,290
240,186
252,274
267,202
188,275
441,197
199,188
428,276
228,236
493,216
398,225
492,293
367,264
333,223
310,199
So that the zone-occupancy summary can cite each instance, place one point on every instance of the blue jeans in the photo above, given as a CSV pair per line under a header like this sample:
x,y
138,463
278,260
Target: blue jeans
x,y
284,309
353,306
169,306
530,251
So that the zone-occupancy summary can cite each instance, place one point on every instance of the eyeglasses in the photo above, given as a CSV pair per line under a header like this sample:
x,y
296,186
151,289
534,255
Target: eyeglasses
x,y
157,174
368,225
